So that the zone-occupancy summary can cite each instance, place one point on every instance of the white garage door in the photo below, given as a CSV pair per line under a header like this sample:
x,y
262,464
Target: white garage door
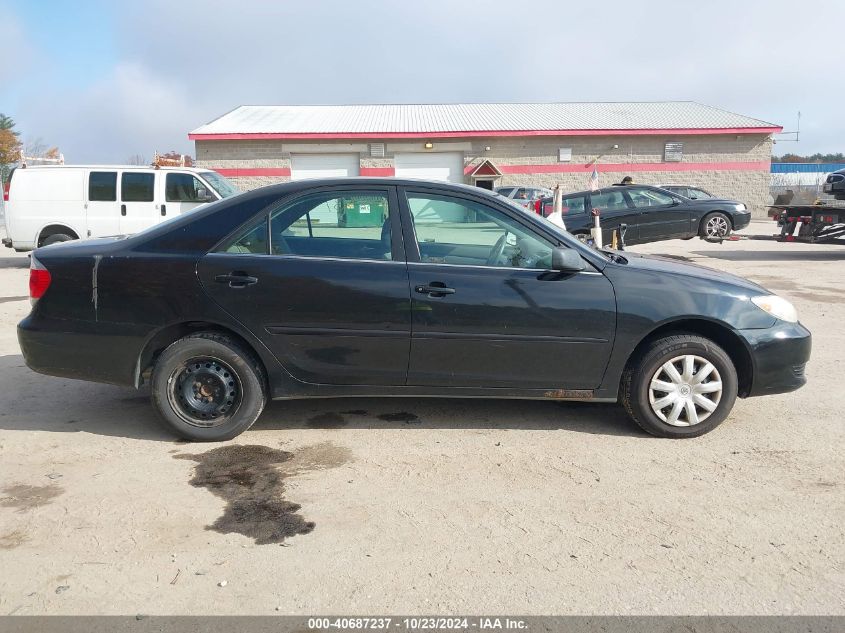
x,y
448,166
323,166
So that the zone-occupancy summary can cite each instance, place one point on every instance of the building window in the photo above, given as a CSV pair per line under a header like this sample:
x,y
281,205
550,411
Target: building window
x,y
564,154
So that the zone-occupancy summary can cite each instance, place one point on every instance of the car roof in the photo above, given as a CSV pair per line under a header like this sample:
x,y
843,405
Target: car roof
x,y
311,183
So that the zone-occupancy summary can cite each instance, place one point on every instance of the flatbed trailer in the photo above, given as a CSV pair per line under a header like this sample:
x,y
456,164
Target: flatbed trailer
x,y
811,223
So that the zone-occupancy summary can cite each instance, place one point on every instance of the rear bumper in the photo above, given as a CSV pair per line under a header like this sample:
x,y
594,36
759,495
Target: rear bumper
x,y
779,355
78,349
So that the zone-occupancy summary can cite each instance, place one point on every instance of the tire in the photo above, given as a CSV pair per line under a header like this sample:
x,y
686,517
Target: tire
x,y
715,226
56,238
637,395
231,394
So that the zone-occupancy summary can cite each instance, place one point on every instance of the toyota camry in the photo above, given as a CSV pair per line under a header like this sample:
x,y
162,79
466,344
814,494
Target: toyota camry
x,y
386,287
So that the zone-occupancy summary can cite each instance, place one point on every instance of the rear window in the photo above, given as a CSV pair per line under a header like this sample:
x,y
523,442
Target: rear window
x,y
102,186
505,191
137,187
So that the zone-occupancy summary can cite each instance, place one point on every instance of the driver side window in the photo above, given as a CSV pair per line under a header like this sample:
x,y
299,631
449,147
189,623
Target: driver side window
x,y
460,231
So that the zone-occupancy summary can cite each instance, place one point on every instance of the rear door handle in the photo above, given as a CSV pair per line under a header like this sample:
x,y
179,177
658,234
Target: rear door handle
x,y
163,209
123,209
236,279
435,289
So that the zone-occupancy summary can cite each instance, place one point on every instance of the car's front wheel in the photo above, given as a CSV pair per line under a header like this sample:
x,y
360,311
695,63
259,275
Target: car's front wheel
x,y
679,386
715,226
208,388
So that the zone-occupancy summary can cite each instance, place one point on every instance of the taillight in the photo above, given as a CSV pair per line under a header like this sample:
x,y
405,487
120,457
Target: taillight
x,y
39,280
6,190
538,203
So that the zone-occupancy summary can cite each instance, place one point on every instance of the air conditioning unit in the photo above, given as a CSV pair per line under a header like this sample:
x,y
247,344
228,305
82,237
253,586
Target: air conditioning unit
x,y
376,150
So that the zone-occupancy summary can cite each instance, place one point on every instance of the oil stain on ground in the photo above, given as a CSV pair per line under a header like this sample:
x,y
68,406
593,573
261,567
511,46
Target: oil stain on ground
x,y
13,539
400,416
23,497
251,480
328,420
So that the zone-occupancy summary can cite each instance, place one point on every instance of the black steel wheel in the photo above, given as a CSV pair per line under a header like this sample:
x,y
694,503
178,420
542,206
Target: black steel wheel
x,y
207,387
204,391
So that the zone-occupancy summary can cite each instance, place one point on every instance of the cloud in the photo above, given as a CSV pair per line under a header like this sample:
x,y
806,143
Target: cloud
x,y
130,111
180,64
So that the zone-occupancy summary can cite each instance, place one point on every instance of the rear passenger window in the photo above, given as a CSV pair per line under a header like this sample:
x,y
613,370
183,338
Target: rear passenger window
x,y
574,206
349,225
609,200
137,187
251,240
102,186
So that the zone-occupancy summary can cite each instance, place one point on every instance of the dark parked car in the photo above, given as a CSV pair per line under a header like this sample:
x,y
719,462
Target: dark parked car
x,y
651,214
384,287
693,193
526,197
835,184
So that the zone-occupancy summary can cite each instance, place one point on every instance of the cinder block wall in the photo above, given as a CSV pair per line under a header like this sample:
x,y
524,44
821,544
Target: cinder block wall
x,y
740,163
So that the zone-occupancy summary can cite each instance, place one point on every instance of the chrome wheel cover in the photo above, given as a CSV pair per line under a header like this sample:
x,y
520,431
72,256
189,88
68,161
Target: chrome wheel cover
x,y
685,390
716,226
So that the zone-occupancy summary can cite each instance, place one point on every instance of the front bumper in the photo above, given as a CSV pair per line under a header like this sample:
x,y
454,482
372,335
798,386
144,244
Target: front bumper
x,y
741,220
779,355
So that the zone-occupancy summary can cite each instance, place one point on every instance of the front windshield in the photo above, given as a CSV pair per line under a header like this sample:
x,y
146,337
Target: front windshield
x,y
222,186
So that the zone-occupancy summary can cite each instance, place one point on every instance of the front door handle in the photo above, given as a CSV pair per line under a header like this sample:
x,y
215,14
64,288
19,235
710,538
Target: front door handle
x,y
236,279
435,289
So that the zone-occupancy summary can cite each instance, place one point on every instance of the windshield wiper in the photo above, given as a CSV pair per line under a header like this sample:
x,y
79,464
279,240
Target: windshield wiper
x,y
615,257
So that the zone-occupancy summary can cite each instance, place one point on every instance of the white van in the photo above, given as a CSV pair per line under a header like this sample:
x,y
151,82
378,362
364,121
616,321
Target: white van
x,y
49,204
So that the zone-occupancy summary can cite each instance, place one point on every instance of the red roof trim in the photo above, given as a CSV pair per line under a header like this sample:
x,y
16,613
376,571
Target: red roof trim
x,y
235,136
558,168
239,172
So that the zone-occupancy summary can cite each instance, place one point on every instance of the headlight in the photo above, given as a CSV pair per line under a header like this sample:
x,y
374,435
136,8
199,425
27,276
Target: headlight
x,y
741,207
778,307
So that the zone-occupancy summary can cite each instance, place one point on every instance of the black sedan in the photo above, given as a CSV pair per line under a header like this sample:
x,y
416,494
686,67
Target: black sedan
x,y
382,287
650,214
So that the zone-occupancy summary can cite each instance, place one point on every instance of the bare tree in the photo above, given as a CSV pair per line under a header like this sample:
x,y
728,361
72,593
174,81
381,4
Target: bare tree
x,y
34,147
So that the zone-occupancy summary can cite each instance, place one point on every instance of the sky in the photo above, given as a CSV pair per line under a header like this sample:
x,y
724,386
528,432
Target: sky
x,y
107,80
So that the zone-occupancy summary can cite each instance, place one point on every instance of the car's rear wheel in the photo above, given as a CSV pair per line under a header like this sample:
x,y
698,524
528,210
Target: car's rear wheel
x,y
56,238
715,226
679,386
208,388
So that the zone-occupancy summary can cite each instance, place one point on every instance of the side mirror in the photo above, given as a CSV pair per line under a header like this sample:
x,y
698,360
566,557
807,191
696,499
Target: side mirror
x,y
204,195
567,260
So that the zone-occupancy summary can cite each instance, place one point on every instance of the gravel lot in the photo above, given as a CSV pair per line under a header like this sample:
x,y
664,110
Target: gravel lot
x,y
431,506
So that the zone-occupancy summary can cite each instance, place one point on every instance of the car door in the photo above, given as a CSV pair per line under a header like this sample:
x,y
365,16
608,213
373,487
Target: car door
x,y
615,211
662,216
137,201
102,217
321,279
180,192
487,311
